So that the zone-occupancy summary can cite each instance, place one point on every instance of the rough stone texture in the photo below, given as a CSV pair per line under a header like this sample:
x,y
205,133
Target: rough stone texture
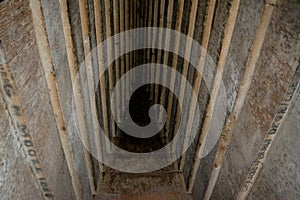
x,y
56,39
200,18
203,174
74,15
217,32
115,182
269,84
280,176
163,194
284,32
20,49
16,179
93,40
237,58
186,16
247,21
279,58
77,37
190,154
214,47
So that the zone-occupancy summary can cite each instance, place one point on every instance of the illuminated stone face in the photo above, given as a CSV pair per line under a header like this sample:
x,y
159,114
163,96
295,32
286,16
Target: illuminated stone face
x,y
56,95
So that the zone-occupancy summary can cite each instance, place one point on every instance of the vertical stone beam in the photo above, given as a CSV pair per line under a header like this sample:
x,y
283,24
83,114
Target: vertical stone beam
x,y
174,65
241,96
128,43
166,53
116,11
220,68
159,53
197,82
185,69
47,64
90,76
149,37
20,125
76,90
135,41
100,56
145,36
142,15
131,43
154,42
122,58
273,131
109,51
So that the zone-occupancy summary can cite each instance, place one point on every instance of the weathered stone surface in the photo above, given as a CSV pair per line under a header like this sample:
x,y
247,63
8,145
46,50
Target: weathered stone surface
x,y
57,45
56,39
248,19
190,154
214,49
125,183
161,194
218,27
203,174
23,59
280,176
13,25
16,179
200,18
279,58
269,84
74,15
